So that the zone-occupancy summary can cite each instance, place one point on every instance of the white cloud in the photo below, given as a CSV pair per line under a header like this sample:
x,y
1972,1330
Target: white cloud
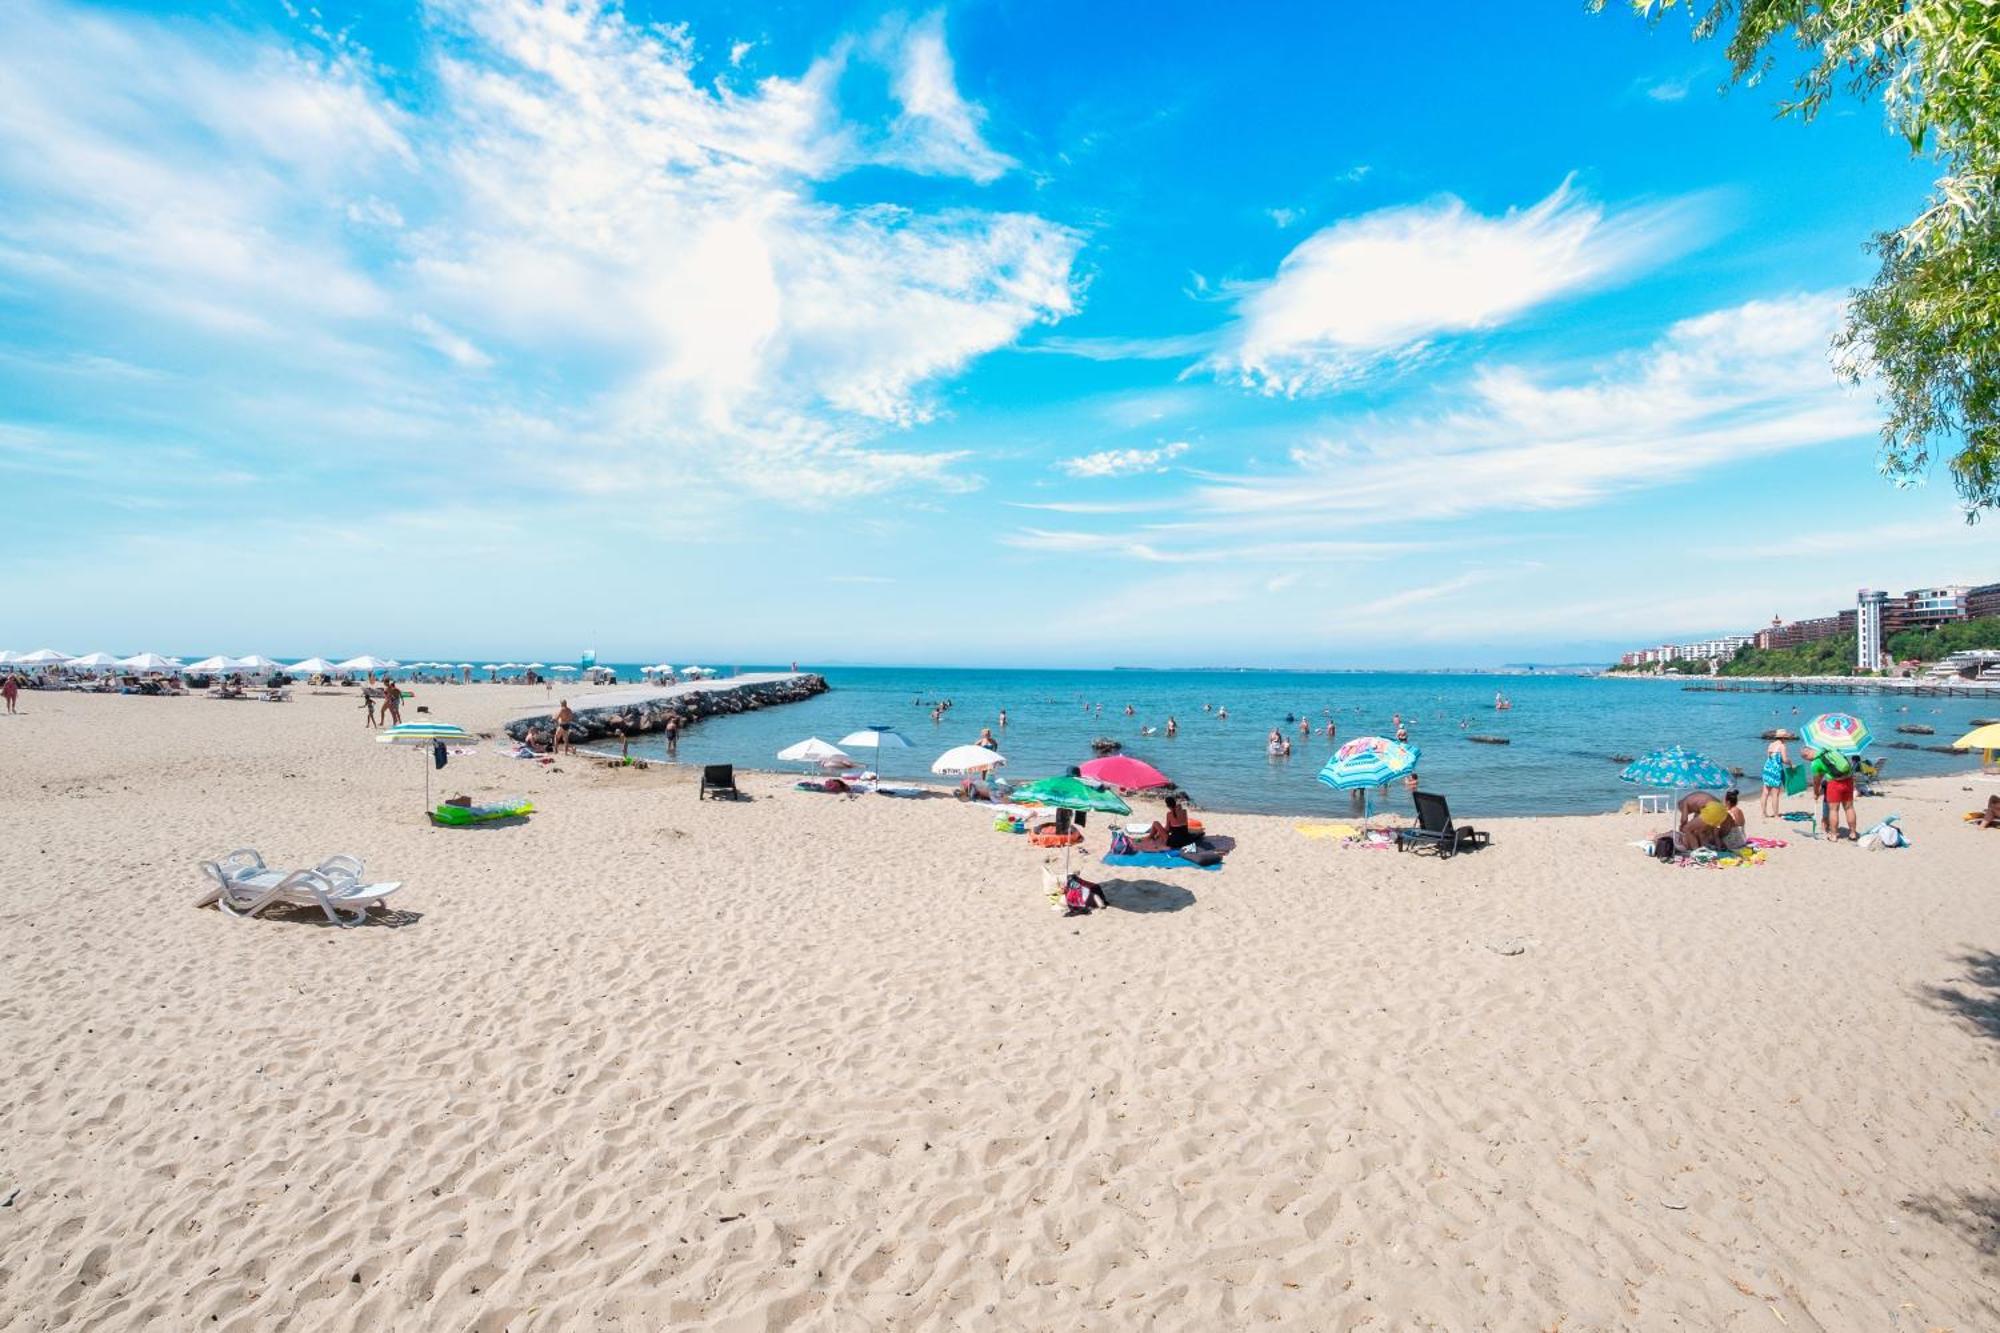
x,y
939,132
1284,217
1669,90
459,348
1164,544
645,260
1747,380
1379,287
1122,462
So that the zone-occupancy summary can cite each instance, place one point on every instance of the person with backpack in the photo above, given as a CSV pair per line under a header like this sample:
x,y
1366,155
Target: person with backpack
x,y
1836,784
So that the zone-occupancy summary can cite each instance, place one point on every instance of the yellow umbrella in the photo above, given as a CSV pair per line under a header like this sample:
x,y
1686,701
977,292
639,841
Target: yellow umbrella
x,y
1985,738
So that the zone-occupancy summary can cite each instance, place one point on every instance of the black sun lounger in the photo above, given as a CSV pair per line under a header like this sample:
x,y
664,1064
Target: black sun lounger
x,y
1435,830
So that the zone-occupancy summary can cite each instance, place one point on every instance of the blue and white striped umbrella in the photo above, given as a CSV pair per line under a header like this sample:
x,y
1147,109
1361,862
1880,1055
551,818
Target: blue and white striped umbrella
x,y
1675,768
1369,761
422,733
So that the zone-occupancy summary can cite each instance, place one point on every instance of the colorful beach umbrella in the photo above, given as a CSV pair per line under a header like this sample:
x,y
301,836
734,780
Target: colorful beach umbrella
x,y
425,734
1675,768
1369,761
1836,731
1122,770
961,759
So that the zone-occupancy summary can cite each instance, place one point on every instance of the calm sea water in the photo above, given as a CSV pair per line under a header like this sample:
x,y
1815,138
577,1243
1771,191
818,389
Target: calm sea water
x,y
1563,730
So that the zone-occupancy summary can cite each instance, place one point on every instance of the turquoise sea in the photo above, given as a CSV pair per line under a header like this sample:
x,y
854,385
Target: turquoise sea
x,y
1562,730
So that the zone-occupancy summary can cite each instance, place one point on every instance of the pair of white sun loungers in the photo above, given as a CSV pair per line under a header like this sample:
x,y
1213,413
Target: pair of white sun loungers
x,y
242,885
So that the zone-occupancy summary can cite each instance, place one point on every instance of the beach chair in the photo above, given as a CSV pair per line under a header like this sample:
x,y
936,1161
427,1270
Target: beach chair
x,y
242,885
1435,830
720,779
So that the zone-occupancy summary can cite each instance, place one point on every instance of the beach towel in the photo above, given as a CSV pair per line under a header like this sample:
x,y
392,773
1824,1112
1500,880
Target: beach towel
x,y
1162,860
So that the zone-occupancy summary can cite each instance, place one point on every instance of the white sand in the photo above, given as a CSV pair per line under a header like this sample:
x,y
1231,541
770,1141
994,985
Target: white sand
x,y
646,1062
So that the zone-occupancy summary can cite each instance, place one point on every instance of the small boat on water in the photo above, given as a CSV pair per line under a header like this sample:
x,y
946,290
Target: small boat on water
x,y
1489,740
1916,729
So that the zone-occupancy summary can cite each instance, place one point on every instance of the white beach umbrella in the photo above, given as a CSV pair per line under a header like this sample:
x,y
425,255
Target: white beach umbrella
x,y
366,663
93,661
562,668
813,750
532,666
211,666
465,666
151,662
312,666
878,736
257,662
41,657
967,759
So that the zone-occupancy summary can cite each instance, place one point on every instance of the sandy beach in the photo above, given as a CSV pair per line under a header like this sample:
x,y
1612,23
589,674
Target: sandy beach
x,y
647,1062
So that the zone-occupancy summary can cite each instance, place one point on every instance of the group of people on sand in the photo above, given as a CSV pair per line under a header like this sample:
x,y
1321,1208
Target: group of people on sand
x,y
1830,778
382,705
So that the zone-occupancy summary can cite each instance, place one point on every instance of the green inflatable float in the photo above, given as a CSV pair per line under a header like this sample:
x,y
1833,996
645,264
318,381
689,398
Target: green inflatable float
x,y
459,815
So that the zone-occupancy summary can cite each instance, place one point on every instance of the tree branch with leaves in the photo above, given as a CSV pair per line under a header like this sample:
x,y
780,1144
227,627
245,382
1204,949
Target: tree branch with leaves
x,y
1926,331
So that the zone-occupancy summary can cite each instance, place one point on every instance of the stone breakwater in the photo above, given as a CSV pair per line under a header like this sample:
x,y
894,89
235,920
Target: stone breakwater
x,y
636,712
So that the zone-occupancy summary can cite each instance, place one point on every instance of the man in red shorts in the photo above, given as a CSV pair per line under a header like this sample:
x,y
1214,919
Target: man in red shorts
x,y
1837,797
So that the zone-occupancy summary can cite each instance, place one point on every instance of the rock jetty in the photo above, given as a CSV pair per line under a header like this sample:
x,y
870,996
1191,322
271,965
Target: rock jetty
x,y
637,712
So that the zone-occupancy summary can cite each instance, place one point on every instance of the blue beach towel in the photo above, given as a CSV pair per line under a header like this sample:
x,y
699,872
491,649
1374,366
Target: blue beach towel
x,y
1160,859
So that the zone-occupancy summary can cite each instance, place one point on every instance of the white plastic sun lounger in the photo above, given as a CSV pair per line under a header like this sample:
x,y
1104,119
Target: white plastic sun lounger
x,y
244,886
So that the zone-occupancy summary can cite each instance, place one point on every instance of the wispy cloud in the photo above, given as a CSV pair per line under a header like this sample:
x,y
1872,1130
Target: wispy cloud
x,y
591,240
1380,287
1284,217
1748,380
939,132
1122,462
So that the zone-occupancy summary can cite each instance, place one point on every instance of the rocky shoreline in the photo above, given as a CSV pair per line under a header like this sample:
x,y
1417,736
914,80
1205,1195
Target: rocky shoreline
x,y
638,717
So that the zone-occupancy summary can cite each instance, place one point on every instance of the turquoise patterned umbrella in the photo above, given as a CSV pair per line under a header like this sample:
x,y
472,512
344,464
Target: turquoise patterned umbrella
x,y
1676,768
1836,731
1368,762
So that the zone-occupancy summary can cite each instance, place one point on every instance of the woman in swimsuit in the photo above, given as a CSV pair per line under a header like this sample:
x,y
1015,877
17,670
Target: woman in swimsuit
x,y
1773,776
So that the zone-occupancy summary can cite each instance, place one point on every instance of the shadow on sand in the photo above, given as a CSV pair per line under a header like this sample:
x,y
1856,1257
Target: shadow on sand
x,y
1974,996
1146,895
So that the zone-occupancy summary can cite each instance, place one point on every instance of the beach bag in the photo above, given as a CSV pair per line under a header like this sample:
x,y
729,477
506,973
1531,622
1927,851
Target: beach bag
x,y
1835,764
1796,779
1075,897
1201,856
1121,844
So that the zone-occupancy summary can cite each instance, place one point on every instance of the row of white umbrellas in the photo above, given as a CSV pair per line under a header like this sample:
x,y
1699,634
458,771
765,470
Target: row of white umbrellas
x,y
218,665
955,762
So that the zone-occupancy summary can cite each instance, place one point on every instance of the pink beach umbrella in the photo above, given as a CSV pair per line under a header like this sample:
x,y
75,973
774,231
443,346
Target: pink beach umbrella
x,y
1123,771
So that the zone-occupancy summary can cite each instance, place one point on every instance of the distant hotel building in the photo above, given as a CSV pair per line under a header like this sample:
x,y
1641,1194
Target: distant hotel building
x,y
1783,635
1876,617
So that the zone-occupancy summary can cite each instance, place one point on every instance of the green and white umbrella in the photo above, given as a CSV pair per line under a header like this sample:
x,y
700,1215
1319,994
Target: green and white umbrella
x,y
425,734
1067,793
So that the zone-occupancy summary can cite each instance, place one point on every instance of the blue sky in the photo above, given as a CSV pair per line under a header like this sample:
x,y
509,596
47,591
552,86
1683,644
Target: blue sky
x,y
993,333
